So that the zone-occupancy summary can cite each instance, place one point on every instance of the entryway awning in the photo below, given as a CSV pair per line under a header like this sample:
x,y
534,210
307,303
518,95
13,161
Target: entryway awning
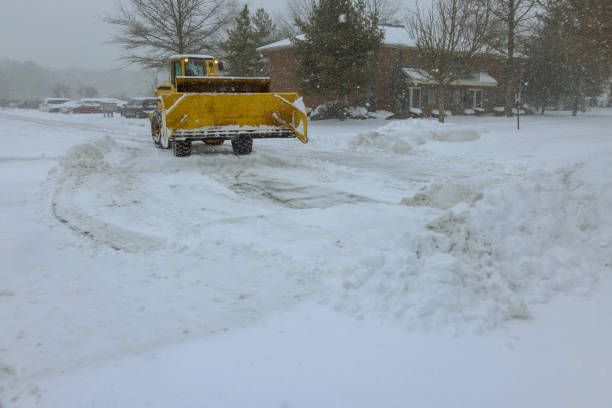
x,y
479,79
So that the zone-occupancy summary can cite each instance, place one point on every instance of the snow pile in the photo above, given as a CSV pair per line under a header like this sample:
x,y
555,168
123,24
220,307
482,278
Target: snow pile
x,y
358,112
84,159
402,135
91,177
444,196
491,256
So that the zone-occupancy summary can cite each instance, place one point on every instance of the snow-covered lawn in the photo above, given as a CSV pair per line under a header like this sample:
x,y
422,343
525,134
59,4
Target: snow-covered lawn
x,y
386,263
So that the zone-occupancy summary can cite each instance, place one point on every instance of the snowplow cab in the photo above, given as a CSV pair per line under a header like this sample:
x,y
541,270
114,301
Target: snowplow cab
x,y
202,74
199,104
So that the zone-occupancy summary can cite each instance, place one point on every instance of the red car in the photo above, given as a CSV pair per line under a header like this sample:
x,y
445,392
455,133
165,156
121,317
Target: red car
x,y
87,108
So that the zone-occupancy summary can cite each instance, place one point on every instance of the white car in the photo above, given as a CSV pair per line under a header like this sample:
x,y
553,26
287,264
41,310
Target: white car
x,y
48,103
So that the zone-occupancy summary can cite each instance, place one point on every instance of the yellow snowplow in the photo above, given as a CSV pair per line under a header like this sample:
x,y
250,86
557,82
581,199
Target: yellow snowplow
x,y
198,104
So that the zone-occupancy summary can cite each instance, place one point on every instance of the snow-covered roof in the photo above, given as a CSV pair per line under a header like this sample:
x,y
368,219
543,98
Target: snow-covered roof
x,y
419,76
142,98
281,44
51,100
397,36
179,56
101,100
485,78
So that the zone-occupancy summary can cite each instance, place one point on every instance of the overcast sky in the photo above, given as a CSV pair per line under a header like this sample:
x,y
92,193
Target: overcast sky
x,y
64,33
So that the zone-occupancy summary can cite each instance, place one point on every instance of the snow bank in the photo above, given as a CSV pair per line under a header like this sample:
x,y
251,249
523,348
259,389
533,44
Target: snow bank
x,y
90,176
489,257
84,159
401,136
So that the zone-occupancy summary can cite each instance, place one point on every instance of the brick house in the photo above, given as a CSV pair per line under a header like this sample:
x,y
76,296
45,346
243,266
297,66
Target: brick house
x,y
397,56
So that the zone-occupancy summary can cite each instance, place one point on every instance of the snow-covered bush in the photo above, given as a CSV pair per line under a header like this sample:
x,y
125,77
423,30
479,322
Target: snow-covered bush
x,y
335,110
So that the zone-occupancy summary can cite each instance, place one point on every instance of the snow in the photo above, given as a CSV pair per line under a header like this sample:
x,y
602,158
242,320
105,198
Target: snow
x,y
485,78
232,78
416,111
463,264
179,56
298,104
419,75
437,112
397,36
391,36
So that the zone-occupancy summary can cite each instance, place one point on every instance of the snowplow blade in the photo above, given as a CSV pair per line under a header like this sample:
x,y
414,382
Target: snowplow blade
x,y
217,115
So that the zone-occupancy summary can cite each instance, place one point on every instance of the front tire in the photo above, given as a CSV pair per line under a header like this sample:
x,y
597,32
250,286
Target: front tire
x,y
242,145
164,143
156,129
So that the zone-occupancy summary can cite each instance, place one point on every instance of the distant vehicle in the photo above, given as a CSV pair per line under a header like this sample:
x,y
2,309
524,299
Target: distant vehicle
x,y
87,108
49,103
139,107
76,107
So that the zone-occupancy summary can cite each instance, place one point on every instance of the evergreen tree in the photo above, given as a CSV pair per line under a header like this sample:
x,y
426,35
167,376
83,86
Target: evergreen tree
x,y
240,53
561,67
264,29
338,53
545,70
400,93
244,38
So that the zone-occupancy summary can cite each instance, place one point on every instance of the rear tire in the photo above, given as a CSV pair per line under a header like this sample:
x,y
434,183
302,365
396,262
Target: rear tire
x,y
181,149
242,145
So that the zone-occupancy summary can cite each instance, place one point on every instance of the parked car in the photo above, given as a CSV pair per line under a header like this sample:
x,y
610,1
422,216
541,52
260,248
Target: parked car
x,y
76,107
87,108
139,107
65,107
48,103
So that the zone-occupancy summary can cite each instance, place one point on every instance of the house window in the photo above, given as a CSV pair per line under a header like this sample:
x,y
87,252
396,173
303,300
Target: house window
x,y
456,97
431,95
415,97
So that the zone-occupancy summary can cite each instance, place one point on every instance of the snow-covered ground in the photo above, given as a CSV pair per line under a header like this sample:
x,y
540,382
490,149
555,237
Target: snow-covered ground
x,y
386,263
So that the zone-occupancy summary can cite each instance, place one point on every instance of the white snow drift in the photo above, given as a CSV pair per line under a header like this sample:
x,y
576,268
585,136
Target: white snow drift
x,y
457,253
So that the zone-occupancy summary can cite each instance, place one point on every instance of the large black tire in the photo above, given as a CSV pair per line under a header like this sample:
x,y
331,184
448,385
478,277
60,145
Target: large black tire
x,y
181,149
242,145
156,125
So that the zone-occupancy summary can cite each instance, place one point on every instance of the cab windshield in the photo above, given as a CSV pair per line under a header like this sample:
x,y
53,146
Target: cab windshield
x,y
195,68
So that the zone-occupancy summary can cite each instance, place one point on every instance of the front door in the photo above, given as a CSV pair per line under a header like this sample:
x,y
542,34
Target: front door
x,y
474,98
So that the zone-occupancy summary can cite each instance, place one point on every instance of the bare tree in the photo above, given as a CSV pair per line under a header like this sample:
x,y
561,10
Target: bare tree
x,y
88,91
300,9
152,30
449,36
387,11
61,91
510,22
